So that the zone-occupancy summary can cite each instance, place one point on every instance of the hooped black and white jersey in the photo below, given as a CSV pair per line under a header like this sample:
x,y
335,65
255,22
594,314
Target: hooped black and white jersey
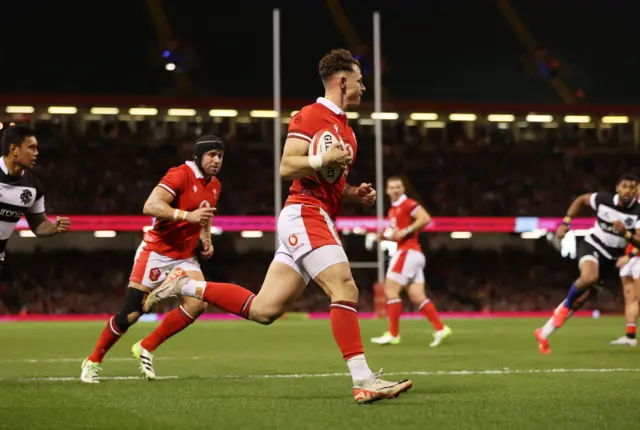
x,y
18,194
608,209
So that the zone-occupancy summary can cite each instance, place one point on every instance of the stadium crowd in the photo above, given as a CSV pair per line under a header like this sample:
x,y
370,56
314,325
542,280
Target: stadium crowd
x,y
112,170
459,280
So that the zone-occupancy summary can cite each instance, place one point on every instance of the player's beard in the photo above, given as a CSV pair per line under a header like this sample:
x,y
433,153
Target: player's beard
x,y
627,200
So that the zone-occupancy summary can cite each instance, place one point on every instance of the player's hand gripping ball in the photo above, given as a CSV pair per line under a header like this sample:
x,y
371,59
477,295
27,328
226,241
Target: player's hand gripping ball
x,y
334,153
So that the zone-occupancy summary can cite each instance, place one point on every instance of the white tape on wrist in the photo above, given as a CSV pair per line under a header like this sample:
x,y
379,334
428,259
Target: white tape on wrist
x,y
315,161
176,212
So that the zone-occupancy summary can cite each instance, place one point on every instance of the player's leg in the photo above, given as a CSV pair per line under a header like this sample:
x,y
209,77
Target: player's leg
x,y
392,291
395,281
283,284
629,276
632,301
179,318
589,274
589,265
145,271
630,312
173,322
416,292
115,328
329,267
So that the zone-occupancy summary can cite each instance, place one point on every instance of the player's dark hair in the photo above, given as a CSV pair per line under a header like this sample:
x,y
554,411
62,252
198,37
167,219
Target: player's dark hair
x,y
14,135
336,61
627,177
408,188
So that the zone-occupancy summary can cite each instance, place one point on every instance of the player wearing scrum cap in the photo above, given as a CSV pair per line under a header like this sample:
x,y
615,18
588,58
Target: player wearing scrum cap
x,y
182,205
310,247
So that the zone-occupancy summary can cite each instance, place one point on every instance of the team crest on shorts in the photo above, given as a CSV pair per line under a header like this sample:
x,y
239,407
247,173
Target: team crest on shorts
x,y
293,240
154,274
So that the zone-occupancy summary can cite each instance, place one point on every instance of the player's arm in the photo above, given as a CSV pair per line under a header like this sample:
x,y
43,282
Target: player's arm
x,y
40,225
350,193
296,163
158,205
633,237
588,199
205,240
37,219
205,233
364,194
421,219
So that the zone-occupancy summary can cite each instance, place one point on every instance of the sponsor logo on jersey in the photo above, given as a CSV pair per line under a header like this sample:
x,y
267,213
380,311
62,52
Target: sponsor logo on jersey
x,y
9,213
293,240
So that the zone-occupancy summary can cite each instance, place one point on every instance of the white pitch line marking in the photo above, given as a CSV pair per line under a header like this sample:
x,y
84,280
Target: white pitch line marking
x,y
330,375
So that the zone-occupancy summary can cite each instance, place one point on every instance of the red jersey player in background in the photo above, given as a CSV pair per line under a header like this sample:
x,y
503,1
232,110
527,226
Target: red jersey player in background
x,y
309,244
629,265
406,269
182,205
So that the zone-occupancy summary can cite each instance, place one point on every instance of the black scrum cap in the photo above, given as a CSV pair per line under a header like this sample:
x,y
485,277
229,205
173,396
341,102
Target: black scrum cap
x,y
205,144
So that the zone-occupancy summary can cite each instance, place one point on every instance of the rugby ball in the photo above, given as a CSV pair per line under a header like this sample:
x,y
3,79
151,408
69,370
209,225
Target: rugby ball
x,y
320,144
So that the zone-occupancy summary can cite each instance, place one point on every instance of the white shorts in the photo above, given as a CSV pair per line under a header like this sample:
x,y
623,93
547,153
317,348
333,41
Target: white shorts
x,y
309,242
407,267
151,268
631,269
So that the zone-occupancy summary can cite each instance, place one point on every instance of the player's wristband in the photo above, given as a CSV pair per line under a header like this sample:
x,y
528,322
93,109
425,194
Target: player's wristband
x,y
180,215
567,220
408,230
315,161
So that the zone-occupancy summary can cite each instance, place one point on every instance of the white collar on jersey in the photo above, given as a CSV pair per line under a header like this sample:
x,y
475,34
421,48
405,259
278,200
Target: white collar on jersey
x,y
400,200
4,168
195,169
330,105
616,200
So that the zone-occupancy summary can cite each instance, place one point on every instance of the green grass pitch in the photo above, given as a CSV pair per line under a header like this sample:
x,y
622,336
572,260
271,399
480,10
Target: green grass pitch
x,y
239,375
